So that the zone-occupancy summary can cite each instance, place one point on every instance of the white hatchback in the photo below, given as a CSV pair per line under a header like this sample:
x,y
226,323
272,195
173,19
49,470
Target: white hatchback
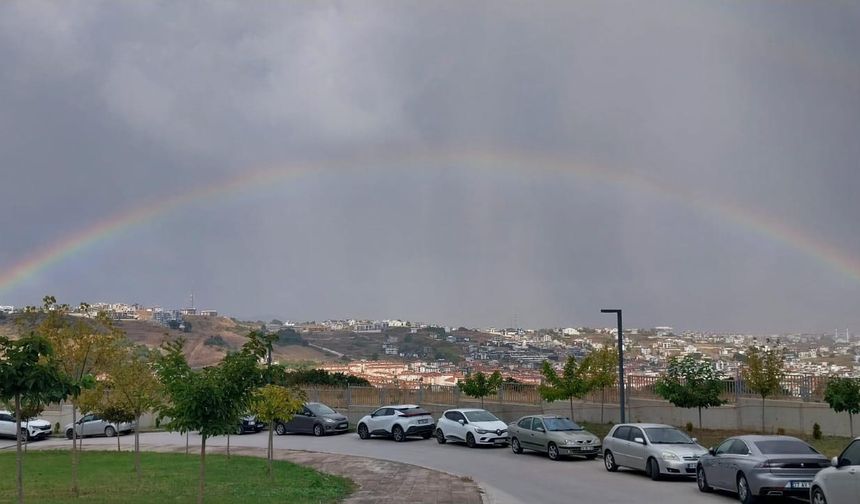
x,y
471,426
840,483
397,422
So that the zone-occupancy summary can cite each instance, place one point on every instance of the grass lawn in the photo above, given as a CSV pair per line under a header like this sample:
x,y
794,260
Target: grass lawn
x,y
109,477
830,446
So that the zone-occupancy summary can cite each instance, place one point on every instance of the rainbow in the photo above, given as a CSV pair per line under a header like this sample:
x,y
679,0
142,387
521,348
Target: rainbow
x,y
759,223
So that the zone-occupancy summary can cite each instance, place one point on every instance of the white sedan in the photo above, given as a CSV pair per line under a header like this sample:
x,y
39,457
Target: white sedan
x,y
840,483
471,426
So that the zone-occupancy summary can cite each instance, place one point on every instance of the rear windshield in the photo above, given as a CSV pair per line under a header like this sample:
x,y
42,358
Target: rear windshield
x,y
561,424
666,435
480,416
413,411
784,447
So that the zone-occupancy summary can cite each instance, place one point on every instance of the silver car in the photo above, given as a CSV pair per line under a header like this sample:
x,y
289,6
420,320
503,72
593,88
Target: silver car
x,y
760,466
840,483
657,449
93,425
554,435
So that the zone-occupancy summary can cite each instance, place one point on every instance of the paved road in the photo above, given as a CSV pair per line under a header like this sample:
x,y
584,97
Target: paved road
x,y
508,478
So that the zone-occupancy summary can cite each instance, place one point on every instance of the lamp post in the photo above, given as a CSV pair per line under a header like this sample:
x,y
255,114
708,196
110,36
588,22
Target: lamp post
x,y
617,313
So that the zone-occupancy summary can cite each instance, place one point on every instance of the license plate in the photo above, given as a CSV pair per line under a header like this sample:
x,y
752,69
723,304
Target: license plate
x,y
342,426
799,484
423,421
691,466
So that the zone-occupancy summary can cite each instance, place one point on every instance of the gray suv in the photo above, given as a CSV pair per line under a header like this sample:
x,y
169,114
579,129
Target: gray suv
x,y
657,449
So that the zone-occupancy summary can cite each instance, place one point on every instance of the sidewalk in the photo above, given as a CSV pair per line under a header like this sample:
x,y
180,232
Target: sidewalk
x,y
377,480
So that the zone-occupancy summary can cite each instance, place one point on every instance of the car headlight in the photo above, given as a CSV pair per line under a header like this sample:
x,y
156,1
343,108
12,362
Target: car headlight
x,y
568,442
329,420
667,455
482,431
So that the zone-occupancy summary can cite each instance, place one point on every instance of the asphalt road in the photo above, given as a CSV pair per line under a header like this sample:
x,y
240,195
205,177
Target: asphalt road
x,y
506,477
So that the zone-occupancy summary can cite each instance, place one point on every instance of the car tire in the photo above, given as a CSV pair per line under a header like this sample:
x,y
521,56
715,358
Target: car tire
x,y
363,433
745,494
609,461
470,440
280,429
818,496
398,434
652,469
440,437
702,480
552,452
319,430
110,431
25,435
515,446
69,434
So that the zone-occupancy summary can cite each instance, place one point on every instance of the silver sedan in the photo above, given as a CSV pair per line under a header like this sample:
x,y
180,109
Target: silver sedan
x,y
760,466
657,449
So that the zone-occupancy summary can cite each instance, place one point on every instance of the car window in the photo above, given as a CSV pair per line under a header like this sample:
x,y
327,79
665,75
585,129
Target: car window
x,y
537,424
87,418
635,432
380,412
738,447
480,416
320,409
561,424
784,447
5,418
451,415
851,455
621,432
667,435
725,446
525,423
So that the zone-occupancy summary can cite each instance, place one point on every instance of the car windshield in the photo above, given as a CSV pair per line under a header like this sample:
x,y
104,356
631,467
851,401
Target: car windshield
x,y
667,435
784,447
480,416
561,424
320,409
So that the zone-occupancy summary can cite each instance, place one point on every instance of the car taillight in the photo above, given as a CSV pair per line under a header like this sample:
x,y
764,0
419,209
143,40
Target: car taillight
x,y
769,464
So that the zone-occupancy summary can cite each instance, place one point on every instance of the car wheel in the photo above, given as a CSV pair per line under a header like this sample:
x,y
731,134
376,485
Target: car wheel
x,y
552,451
280,429
702,480
69,434
745,494
470,440
318,430
515,446
652,469
110,431
363,433
818,497
25,435
440,437
609,461
397,433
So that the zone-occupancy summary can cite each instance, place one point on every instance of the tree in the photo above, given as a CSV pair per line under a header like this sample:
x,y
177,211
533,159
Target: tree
x,y
272,403
212,400
843,394
572,382
602,366
763,372
691,383
29,371
480,385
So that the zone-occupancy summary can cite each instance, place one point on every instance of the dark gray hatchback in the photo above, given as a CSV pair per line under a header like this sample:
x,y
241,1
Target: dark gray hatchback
x,y
315,418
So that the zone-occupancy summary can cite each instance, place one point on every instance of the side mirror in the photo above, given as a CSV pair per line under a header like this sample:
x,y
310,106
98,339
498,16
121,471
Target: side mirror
x,y
834,461
639,440
694,440
711,451
461,421
541,429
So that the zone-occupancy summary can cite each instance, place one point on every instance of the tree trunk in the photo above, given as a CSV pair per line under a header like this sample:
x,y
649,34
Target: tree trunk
x,y
762,414
482,402
228,446
118,449
137,447
271,450
700,417
75,449
202,483
851,423
571,406
19,457
602,401
186,443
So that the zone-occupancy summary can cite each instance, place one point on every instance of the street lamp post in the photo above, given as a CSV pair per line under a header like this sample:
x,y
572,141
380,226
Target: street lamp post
x,y
617,313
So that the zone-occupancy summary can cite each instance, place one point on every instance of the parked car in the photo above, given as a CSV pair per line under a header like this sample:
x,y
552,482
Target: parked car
x,y
32,429
398,422
471,426
554,435
249,423
656,449
760,466
315,418
840,483
93,425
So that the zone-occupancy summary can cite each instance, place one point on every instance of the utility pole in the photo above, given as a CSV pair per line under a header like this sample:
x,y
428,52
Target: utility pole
x,y
621,401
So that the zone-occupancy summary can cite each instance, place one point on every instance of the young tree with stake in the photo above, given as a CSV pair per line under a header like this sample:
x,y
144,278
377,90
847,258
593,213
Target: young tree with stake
x,y
691,383
572,382
480,385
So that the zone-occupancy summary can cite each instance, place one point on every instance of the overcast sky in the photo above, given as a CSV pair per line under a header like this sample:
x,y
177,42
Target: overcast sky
x,y
699,121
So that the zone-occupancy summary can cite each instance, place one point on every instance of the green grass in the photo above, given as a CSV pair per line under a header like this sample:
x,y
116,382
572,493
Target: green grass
x,y
107,477
830,446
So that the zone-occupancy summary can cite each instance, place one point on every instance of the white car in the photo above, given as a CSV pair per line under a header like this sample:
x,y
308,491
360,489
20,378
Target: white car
x,y
840,483
33,429
93,425
471,426
397,422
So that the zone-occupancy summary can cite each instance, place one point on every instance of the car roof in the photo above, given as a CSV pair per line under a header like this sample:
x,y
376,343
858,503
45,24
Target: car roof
x,y
647,425
548,416
761,437
465,410
2,411
402,406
